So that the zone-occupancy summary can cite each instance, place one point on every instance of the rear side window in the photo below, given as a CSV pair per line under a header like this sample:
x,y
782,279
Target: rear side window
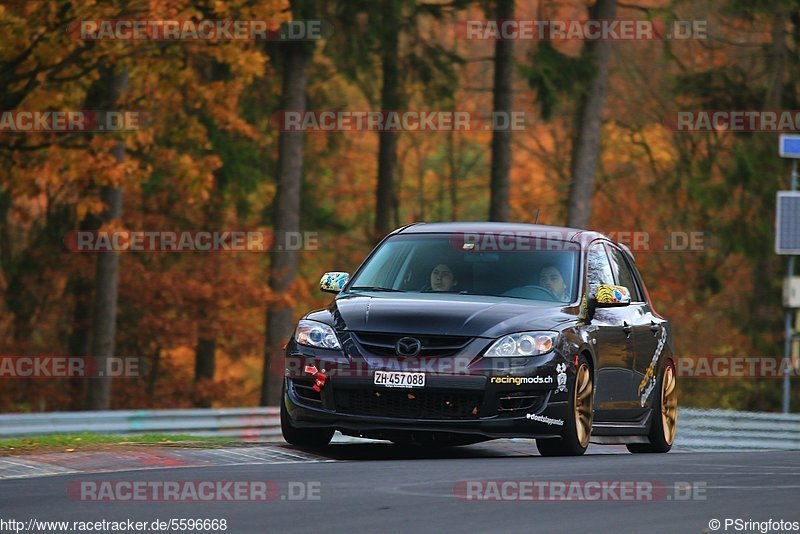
x,y
622,272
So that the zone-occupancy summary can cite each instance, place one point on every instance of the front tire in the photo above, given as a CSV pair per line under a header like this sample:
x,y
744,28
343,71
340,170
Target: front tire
x,y
665,416
302,437
578,426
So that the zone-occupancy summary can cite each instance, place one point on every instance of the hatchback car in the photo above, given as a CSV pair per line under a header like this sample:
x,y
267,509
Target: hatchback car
x,y
453,333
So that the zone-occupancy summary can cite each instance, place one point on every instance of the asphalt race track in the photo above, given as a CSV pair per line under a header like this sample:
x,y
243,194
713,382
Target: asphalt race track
x,y
379,487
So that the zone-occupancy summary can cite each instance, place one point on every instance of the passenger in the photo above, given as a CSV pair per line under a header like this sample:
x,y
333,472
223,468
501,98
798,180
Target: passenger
x,y
551,278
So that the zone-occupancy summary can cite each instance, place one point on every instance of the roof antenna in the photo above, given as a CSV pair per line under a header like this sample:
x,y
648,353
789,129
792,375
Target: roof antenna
x,y
536,220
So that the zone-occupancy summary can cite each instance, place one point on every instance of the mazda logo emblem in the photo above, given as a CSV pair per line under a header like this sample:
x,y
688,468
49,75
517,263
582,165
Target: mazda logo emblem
x,y
408,346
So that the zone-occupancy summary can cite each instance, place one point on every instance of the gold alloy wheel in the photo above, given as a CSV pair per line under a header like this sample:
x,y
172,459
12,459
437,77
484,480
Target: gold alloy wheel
x,y
583,403
669,404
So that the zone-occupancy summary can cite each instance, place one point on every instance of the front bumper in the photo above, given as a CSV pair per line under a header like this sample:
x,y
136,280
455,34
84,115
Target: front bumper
x,y
493,399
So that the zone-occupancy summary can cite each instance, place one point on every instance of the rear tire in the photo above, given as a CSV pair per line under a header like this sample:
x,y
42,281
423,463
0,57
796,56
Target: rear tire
x,y
578,426
302,437
664,416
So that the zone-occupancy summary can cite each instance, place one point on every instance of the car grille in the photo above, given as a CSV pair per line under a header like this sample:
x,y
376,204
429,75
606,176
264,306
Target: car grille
x,y
306,391
409,403
523,400
383,344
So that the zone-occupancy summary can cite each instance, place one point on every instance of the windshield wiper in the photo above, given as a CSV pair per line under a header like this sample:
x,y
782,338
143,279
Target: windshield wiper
x,y
375,288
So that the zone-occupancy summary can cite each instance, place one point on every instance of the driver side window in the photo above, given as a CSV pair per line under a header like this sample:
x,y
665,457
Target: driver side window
x,y
623,272
598,268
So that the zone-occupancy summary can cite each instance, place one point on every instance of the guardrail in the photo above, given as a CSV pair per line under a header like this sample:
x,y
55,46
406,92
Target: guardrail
x,y
247,424
725,429
697,429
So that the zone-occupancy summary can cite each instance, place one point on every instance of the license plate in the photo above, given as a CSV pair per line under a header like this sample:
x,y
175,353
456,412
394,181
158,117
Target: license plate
x,y
399,379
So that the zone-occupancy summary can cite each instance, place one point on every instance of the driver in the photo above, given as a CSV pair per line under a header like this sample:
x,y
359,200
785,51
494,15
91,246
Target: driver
x,y
442,278
551,278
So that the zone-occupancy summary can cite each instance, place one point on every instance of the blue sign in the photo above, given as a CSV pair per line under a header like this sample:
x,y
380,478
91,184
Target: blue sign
x,y
787,223
789,146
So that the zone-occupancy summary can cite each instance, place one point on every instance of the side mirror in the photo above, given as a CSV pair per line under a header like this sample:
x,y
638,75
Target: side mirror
x,y
611,296
333,282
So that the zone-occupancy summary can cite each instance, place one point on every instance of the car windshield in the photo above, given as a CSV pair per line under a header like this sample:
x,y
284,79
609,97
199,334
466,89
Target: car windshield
x,y
473,264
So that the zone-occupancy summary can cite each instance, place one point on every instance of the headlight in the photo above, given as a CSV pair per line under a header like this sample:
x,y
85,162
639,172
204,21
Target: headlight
x,y
316,334
523,344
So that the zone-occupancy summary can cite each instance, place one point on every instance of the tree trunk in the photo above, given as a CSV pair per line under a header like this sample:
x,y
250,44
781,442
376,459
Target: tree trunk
x,y
501,139
80,286
453,172
586,149
420,183
387,140
767,267
152,377
279,315
776,57
204,365
104,312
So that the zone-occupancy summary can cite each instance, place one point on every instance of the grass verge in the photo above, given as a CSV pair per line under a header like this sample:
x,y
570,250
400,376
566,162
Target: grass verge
x,y
93,441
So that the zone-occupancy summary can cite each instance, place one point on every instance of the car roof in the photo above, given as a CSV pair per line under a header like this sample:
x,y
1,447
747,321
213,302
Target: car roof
x,y
565,233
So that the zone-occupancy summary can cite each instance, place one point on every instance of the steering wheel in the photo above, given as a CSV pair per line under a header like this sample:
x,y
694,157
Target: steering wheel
x,y
524,290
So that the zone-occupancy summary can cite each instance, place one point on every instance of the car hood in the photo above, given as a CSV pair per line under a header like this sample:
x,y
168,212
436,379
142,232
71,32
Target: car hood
x,y
448,314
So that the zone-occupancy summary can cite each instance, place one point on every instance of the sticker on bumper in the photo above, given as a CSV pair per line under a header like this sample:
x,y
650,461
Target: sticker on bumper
x,y
521,380
544,419
561,377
